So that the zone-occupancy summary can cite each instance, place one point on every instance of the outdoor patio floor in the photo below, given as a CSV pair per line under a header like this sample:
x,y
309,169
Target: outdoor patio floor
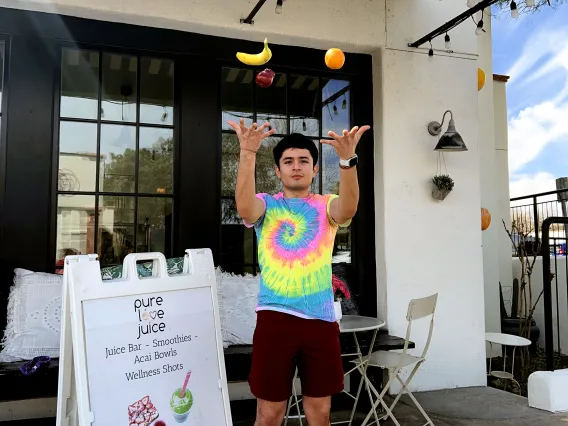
x,y
460,407
482,406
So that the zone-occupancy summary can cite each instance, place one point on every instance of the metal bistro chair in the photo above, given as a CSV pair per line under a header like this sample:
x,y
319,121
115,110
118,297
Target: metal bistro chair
x,y
394,361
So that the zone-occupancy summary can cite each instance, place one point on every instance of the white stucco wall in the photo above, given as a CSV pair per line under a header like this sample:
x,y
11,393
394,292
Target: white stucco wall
x,y
487,179
501,184
429,246
442,240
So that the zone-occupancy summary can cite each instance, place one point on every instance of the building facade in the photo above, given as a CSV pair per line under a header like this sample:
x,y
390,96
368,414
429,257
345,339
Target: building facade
x,y
114,139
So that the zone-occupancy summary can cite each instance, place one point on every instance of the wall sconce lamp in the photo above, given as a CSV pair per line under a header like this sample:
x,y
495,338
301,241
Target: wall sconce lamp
x,y
451,141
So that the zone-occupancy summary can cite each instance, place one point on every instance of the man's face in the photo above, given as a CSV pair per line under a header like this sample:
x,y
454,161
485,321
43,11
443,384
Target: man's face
x,y
296,169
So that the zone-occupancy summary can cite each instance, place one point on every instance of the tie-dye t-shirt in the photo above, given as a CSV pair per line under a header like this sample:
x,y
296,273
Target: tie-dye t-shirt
x,y
295,245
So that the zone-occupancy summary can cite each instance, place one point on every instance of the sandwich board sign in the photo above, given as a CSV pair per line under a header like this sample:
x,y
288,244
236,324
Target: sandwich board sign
x,y
141,351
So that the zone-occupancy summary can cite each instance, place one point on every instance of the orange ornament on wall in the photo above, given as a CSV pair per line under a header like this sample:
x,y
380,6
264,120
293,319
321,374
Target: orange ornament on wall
x,y
480,79
485,219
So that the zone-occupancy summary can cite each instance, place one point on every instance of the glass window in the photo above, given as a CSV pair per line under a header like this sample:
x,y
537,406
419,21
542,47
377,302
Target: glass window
x,y
237,96
119,87
294,103
116,186
79,84
271,104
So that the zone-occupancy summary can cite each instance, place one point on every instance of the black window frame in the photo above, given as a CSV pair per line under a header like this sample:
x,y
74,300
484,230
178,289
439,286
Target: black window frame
x,y
5,39
57,119
28,227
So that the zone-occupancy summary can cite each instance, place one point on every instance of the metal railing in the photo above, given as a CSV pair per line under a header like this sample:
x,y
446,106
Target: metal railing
x,y
541,222
529,212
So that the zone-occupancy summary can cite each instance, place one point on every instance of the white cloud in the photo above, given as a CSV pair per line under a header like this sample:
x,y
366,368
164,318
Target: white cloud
x,y
534,128
544,122
527,184
539,46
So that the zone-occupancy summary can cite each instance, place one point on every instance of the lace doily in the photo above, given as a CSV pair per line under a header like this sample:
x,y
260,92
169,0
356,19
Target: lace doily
x,y
238,297
34,316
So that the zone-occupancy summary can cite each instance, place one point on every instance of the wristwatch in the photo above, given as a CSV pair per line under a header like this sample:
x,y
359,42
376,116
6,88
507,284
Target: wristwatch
x,y
350,162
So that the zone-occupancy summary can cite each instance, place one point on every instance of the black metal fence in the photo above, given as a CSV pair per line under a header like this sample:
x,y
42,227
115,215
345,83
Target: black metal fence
x,y
540,223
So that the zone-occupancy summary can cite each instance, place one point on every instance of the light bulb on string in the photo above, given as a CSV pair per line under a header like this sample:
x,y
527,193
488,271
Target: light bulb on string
x,y
278,9
335,111
448,43
514,10
304,127
479,28
431,51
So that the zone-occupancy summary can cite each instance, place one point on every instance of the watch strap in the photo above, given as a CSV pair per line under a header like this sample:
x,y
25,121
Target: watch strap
x,y
350,162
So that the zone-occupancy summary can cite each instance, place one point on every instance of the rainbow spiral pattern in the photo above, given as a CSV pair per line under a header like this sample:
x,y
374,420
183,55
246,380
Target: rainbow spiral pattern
x,y
295,245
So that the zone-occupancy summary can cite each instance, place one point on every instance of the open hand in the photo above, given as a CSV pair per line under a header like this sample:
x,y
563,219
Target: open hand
x,y
250,138
346,144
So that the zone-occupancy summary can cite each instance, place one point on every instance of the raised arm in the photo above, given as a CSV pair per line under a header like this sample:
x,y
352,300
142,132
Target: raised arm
x,y
344,207
249,207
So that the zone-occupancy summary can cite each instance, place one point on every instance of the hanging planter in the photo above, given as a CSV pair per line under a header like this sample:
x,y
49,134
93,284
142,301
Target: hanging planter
x,y
443,185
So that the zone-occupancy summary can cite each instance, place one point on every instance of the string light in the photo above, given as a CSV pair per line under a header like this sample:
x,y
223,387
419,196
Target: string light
x,y
278,6
431,51
448,43
514,10
479,28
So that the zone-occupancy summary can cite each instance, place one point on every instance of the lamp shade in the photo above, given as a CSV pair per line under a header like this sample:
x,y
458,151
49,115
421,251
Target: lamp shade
x,y
451,140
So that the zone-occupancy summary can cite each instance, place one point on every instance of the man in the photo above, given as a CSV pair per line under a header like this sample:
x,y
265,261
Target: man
x,y
296,231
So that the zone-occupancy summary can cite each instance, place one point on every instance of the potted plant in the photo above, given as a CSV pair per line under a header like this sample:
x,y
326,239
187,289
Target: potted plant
x,y
443,185
340,292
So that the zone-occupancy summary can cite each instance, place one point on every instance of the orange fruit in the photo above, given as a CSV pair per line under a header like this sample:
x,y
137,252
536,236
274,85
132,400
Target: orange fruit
x,y
334,58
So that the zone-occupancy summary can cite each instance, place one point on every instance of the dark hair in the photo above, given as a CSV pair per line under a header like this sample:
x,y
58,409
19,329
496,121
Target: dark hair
x,y
295,140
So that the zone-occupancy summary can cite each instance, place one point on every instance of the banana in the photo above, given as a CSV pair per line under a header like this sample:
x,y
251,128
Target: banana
x,y
256,59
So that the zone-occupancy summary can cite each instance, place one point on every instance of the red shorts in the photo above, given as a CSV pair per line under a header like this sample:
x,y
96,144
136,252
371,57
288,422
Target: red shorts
x,y
280,343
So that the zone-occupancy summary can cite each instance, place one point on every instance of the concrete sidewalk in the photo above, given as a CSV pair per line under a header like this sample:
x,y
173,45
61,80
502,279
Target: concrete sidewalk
x,y
480,406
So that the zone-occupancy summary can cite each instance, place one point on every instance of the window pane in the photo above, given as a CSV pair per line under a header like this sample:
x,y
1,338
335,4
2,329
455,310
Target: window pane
x,y
335,107
236,96
230,164
116,229
342,246
303,101
75,226
330,170
156,91
77,156
118,151
266,179
237,241
229,213
271,104
154,230
119,87
79,83
156,160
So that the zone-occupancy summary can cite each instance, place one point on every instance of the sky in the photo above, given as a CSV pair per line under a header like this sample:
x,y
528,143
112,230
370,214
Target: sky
x,y
533,51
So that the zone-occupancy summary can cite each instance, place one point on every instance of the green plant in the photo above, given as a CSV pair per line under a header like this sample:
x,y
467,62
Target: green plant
x,y
444,182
